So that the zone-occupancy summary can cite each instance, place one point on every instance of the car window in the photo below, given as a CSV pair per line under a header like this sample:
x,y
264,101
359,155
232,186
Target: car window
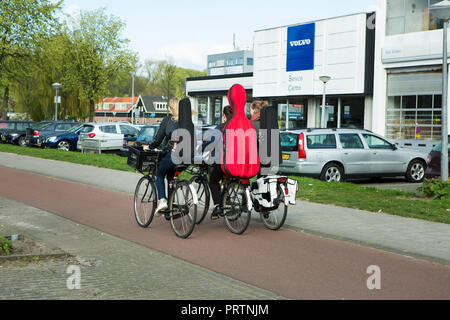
x,y
128,130
321,141
8,125
62,127
22,126
351,141
376,143
87,129
438,148
289,142
73,128
108,129
147,134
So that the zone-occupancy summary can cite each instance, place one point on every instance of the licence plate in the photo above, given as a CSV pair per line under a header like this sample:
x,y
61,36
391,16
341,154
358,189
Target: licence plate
x,y
131,143
27,141
3,139
286,156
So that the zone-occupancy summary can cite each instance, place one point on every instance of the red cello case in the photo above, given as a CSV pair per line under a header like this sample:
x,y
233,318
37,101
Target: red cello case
x,y
240,153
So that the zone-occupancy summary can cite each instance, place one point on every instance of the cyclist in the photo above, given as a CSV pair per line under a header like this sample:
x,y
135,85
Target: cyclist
x,y
215,172
167,144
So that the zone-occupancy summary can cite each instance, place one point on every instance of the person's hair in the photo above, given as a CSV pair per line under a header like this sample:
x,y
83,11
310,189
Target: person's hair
x,y
228,113
258,105
174,107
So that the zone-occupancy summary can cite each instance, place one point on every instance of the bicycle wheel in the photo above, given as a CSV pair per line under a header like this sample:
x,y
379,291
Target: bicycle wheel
x,y
275,219
204,196
182,210
237,215
145,200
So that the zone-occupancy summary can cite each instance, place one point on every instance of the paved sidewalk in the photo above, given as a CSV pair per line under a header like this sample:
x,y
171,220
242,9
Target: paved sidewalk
x,y
412,237
111,269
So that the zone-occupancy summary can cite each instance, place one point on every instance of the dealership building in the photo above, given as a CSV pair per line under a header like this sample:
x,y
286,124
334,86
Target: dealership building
x,y
287,64
385,70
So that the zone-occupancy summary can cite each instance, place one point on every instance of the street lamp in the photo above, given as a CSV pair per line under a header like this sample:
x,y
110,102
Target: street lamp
x,y
324,79
132,97
442,11
57,86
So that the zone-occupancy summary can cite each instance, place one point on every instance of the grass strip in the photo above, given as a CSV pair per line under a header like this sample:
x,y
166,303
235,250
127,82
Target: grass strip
x,y
394,202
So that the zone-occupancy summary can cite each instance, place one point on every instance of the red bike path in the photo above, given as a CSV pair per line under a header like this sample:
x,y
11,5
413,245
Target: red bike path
x,y
291,264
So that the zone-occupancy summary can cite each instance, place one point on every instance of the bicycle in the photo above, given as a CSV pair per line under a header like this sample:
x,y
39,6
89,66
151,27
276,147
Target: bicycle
x,y
238,201
183,201
200,183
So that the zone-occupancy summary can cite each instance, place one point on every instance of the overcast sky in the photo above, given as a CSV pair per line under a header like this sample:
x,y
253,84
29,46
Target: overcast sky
x,y
187,31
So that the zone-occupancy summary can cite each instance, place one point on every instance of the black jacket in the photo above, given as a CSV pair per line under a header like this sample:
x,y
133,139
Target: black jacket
x,y
163,138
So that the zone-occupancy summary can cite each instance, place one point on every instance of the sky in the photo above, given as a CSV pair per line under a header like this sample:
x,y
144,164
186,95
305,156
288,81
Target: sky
x,y
187,31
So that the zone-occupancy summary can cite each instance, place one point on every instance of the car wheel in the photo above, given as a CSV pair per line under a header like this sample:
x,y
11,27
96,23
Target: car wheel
x,y
416,171
21,142
64,145
332,173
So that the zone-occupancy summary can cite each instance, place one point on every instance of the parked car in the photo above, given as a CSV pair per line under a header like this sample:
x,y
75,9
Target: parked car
x,y
144,137
106,136
434,162
14,131
35,137
339,154
66,141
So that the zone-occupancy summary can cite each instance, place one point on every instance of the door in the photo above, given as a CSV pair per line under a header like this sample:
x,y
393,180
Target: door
x,y
355,156
384,159
110,138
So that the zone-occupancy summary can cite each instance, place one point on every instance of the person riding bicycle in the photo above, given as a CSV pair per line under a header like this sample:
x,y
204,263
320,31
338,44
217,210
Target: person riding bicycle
x,y
167,144
215,172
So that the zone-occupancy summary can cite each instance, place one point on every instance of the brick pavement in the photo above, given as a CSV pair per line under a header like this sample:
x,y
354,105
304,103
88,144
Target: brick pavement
x,y
111,268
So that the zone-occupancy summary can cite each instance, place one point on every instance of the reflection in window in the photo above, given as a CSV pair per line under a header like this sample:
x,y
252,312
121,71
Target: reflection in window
x,y
351,141
406,16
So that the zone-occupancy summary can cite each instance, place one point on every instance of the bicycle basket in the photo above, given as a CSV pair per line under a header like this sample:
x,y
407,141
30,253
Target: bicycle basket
x,y
142,160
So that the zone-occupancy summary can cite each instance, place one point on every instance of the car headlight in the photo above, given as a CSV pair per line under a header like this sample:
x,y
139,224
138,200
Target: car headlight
x,y
51,139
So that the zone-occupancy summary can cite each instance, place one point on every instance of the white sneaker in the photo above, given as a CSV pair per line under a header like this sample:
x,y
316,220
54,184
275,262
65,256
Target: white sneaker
x,y
162,205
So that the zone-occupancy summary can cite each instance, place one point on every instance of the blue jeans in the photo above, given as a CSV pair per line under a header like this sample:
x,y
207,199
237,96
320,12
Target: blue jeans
x,y
166,168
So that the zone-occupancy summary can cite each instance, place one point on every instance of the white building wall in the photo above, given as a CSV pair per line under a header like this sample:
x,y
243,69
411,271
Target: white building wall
x,y
340,45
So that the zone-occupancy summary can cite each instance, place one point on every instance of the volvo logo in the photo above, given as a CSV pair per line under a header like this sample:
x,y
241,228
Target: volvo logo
x,y
299,43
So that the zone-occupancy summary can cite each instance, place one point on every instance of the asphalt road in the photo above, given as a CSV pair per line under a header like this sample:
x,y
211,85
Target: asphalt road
x,y
291,264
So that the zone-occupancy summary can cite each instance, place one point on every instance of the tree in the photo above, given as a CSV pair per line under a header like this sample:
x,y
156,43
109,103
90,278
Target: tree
x,y
22,22
97,54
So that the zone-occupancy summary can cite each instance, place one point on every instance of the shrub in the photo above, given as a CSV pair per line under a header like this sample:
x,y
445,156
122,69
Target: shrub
x,y
435,189
5,246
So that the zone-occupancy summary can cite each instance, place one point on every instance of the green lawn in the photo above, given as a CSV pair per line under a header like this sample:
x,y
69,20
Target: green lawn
x,y
349,195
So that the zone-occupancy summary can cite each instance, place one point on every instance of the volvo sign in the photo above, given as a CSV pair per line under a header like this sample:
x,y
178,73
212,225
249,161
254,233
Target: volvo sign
x,y
300,47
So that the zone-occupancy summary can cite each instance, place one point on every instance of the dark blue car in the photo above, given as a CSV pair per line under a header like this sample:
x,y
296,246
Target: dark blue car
x,y
66,141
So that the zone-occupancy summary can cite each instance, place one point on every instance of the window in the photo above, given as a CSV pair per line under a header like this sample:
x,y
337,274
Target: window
x,y
126,130
351,141
406,16
63,127
250,61
323,141
376,143
7,125
108,129
289,142
160,106
212,64
87,129
414,117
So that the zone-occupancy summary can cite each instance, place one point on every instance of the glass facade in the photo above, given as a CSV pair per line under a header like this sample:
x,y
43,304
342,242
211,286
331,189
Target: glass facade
x,y
406,16
414,117
292,113
342,112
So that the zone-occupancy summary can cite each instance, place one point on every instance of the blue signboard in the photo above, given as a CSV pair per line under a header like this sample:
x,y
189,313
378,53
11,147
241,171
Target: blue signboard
x,y
153,115
300,47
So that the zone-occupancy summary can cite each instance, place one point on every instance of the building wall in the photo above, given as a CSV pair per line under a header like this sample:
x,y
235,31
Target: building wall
x,y
410,63
339,52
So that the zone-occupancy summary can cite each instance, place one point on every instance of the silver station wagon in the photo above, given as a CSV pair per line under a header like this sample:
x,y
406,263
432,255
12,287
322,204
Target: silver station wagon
x,y
340,154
